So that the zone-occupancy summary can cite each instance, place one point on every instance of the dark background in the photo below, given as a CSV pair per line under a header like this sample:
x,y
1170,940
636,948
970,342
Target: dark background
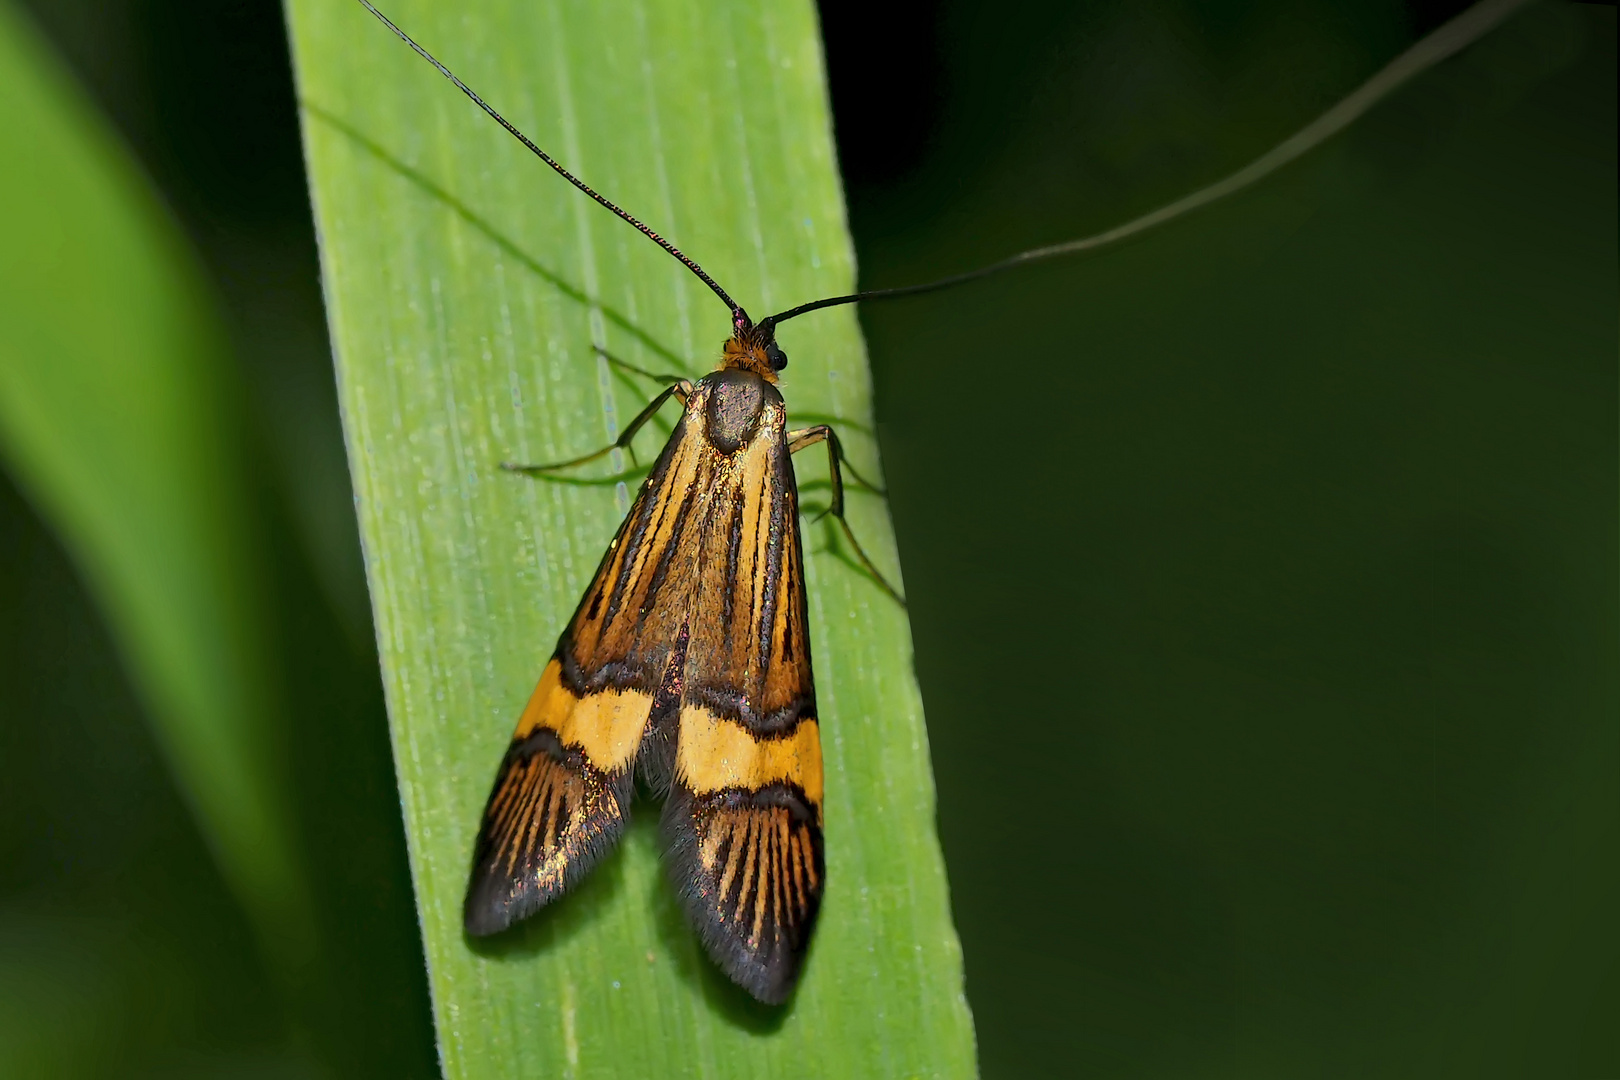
x,y
1262,571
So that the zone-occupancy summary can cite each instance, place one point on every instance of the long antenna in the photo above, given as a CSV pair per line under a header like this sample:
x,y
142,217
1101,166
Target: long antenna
x,y
1441,43
739,316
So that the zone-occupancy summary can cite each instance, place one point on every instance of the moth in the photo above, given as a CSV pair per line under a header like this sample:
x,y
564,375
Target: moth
x,y
687,663
688,660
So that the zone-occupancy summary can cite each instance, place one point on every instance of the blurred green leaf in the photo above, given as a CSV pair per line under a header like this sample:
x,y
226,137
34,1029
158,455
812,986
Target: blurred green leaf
x,y
467,287
117,414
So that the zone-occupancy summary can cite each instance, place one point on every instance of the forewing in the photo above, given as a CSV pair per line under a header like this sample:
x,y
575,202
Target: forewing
x,y
743,820
608,694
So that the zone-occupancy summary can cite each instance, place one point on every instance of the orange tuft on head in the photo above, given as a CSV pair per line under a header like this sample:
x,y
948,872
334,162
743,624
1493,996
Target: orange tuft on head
x,y
753,348
748,357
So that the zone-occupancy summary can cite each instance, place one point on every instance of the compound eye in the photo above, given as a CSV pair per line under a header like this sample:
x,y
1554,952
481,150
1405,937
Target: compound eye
x,y
776,356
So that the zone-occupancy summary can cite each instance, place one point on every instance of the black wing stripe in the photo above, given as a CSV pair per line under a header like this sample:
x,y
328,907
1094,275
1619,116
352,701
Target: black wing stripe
x,y
769,582
672,547
654,506
734,541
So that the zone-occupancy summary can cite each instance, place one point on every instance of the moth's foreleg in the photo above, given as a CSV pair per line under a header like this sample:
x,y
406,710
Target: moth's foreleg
x,y
680,391
625,365
836,462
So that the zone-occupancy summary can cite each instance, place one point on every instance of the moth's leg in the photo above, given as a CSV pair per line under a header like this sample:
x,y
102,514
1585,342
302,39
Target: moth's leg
x,y
625,365
809,436
798,440
680,391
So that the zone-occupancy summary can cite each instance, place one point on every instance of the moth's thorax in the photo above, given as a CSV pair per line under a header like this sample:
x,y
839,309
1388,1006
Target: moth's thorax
x,y
735,400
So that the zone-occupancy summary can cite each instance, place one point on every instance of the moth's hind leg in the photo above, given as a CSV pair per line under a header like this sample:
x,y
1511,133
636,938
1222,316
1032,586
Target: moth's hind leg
x,y
680,390
798,440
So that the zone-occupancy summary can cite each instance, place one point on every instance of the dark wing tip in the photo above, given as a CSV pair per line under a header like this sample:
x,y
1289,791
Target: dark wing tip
x,y
496,900
749,869
551,817
770,981
490,907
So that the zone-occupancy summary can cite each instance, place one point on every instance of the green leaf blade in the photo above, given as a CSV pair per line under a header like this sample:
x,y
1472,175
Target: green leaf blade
x,y
467,289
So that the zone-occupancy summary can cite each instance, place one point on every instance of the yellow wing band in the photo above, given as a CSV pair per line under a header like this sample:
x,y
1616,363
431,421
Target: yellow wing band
x,y
607,726
715,754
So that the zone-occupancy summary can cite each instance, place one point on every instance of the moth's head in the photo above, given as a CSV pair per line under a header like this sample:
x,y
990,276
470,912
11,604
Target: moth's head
x,y
752,347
